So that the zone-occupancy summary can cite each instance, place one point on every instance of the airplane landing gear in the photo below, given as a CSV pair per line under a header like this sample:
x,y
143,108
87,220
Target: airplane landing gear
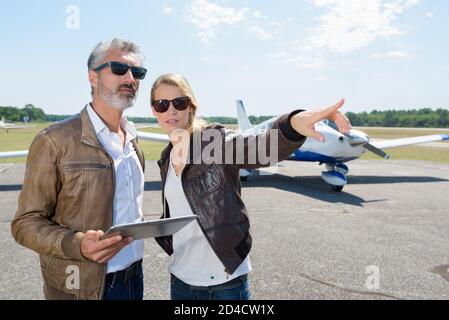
x,y
336,188
335,177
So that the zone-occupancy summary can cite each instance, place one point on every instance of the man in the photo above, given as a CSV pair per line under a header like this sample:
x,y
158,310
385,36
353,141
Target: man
x,y
82,176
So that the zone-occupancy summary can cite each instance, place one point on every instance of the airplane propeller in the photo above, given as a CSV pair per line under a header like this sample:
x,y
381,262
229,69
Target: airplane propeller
x,y
358,140
377,151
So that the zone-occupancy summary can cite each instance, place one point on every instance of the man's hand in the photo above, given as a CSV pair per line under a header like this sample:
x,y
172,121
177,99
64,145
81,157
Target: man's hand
x,y
102,251
304,122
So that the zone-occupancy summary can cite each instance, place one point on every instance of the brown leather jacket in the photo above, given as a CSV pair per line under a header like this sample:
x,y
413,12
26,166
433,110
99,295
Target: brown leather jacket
x,y
214,191
68,189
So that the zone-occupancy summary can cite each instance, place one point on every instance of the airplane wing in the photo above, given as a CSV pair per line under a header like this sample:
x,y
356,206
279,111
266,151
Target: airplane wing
x,y
146,126
385,144
13,154
7,128
156,137
142,135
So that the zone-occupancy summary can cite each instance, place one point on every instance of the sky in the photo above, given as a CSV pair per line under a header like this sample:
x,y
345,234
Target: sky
x,y
274,55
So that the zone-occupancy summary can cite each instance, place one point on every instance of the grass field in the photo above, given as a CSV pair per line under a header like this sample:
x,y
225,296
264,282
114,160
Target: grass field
x,y
22,138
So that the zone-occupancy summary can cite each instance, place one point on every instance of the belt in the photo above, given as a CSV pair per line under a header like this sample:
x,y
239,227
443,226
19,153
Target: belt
x,y
239,280
126,274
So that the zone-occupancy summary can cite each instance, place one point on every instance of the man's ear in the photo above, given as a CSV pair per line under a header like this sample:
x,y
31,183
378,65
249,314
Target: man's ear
x,y
93,79
154,112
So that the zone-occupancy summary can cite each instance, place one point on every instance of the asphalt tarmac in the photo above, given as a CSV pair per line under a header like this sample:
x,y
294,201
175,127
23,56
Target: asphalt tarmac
x,y
386,236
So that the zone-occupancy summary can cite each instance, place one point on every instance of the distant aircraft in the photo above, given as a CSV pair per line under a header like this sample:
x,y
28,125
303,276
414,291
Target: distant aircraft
x,y
144,126
11,126
337,149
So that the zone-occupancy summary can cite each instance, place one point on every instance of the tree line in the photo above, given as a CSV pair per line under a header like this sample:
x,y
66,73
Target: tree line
x,y
416,118
421,118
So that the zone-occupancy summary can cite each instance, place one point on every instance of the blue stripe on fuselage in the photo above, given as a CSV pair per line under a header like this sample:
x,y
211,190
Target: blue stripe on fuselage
x,y
300,155
445,137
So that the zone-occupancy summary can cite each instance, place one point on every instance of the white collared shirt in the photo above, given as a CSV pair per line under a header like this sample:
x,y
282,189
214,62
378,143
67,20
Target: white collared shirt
x,y
129,182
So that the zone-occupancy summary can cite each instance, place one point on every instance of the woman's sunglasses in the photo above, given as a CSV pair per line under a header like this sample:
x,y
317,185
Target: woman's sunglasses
x,y
162,106
121,69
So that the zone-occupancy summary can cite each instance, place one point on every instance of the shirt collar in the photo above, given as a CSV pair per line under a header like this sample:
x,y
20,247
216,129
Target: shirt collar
x,y
99,126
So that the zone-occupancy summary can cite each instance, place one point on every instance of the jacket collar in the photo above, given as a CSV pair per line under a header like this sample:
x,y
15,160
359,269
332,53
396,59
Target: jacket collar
x,y
165,154
89,136
88,133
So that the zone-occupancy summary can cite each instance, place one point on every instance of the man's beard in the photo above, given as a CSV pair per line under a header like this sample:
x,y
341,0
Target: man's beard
x,y
113,98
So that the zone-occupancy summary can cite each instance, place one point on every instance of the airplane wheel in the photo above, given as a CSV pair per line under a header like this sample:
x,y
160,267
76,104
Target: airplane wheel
x,y
342,168
336,188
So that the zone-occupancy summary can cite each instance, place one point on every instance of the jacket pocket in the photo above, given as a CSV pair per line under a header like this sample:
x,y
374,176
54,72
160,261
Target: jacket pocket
x,y
206,181
81,166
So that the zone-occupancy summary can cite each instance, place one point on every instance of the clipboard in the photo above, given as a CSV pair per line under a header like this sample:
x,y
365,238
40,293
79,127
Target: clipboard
x,y
150,229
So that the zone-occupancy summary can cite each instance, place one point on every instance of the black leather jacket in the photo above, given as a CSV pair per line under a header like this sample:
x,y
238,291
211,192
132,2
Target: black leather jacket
x,y
214,191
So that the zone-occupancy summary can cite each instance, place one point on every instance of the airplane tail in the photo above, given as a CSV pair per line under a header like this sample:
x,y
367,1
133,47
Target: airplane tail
x,y
242,117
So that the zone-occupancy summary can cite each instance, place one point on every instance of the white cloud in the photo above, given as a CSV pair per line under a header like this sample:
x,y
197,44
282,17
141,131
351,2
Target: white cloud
x,y
257,14
167,9
345,26
301,59
209,17
280,24
353,24
395,55
260,33
398,55
429,15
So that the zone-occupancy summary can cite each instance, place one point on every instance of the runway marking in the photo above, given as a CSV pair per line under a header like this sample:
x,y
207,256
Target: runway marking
x,y
364,293
7,168
443,271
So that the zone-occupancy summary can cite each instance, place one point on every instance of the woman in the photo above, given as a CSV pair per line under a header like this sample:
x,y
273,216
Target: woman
x,y
210,255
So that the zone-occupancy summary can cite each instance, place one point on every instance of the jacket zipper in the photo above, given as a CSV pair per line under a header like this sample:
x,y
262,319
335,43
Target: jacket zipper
x,y
103,280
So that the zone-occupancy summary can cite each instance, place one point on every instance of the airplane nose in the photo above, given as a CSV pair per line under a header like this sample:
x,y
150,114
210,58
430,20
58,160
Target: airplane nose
x,y
357,139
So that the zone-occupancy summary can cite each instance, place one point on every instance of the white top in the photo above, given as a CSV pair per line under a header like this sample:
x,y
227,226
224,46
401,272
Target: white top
x,y
194,261
129,182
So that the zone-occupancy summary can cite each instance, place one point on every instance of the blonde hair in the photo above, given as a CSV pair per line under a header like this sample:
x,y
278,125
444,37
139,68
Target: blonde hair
x,y
179,81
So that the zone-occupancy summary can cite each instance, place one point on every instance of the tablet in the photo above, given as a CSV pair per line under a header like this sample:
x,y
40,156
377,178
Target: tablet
x,y
150,229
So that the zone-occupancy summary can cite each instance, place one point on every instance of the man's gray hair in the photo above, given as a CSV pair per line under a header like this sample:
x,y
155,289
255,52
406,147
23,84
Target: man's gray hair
x,y
101,49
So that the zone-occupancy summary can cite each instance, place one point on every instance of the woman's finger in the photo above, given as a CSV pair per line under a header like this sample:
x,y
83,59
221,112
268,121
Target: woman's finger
x,y
342,123
335,107
327,112
315,134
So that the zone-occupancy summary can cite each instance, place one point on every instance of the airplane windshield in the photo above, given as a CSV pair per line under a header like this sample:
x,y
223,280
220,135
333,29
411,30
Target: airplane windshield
x,y
332,124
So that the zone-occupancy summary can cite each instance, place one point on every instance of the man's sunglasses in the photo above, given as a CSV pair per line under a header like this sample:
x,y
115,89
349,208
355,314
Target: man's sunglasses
x,y
121,69
162,106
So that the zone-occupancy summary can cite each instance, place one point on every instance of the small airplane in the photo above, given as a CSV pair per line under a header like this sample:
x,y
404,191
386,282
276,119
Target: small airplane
x,y
337,149
11,126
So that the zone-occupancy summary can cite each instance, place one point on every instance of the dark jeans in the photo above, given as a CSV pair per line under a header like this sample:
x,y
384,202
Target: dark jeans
x,y
126,284
236,289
